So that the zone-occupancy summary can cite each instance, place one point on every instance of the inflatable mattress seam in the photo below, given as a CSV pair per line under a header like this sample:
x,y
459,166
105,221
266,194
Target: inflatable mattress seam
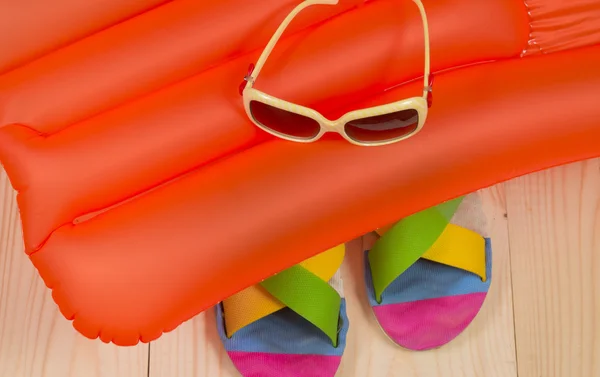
x,y
92,213
79,38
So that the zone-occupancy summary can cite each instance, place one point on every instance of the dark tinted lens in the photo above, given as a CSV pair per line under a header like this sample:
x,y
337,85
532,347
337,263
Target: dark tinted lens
x,y
383,127
284,122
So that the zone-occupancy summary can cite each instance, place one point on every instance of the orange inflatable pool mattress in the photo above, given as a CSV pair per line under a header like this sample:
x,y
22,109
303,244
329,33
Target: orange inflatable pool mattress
x,y
147,195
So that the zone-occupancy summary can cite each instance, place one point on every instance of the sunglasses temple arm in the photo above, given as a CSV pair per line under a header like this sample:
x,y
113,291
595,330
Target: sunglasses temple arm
x,y
275,38
427,77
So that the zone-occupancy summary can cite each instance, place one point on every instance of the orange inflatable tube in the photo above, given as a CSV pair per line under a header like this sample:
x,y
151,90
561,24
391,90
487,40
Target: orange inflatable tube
x,y
147,196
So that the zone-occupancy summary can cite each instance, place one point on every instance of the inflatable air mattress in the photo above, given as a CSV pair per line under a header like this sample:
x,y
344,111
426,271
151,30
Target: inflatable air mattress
x,y
147,195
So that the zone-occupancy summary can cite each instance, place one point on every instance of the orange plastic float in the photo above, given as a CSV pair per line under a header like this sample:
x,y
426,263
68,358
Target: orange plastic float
x,y
147,195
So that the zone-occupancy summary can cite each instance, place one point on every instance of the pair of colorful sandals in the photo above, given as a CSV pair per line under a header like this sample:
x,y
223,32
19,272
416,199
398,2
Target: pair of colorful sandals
x,y
426,278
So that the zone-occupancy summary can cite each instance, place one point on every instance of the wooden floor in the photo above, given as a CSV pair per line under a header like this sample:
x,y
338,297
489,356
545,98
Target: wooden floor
x,y
541,318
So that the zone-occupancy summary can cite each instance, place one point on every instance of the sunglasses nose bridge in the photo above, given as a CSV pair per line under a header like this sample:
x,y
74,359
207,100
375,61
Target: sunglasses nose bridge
x,y
328,125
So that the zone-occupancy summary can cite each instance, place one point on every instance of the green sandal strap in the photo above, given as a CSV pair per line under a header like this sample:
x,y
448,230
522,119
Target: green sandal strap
x,y
309,296
406,242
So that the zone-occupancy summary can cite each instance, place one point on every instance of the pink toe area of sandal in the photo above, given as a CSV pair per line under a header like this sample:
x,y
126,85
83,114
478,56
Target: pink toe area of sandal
x,y
261,364
431,323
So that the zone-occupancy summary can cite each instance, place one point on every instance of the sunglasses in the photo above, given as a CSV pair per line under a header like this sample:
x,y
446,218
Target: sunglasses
x,y
379,125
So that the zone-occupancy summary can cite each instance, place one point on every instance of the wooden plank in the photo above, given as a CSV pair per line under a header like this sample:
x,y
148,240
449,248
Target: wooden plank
x,y
485,349
554,227
35,339
192,350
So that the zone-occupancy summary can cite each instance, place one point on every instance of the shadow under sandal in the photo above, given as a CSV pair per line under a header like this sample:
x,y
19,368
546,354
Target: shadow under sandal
x,y
293,324
427,276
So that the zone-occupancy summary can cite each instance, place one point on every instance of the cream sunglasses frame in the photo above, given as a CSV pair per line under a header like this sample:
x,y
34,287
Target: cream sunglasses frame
x,y
420,104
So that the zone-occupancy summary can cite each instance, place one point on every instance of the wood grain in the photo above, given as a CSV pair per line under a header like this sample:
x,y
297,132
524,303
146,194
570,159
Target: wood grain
x,y
35,339
554,227
485,349
192,350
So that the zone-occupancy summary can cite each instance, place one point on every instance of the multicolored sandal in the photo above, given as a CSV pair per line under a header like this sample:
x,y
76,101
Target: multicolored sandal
x,y
427,276
293,324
